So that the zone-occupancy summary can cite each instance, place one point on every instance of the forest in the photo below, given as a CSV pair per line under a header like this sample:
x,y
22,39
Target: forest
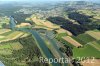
x,y
28,55
84,21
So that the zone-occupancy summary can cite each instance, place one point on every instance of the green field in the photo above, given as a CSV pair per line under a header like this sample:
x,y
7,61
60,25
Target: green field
x,y
78,40
94,34
85,38
98,42
95,44
90,48
59,36
10,35
7,33
86,51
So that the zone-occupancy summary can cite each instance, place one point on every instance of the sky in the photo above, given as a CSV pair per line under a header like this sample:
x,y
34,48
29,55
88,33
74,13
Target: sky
x,y
52,0
44,0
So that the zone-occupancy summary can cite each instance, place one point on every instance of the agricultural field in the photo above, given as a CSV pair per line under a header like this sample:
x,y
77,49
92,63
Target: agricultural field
x,y
86,51
59,31
95,45
6,35
98,42
4,31
24,35
68,29
87,12
45,23
94,34
90,41
14,35
91,62
60,35
85,38
72,41
78,40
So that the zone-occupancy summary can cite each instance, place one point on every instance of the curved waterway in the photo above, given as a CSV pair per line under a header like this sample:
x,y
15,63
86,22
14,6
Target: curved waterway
x,y
1,64
41,44
50,37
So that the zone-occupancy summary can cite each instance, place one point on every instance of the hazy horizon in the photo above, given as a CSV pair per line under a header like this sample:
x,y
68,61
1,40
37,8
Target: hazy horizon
x,y
49,0
8,1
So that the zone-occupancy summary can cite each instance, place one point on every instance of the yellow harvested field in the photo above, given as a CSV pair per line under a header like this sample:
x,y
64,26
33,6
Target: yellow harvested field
x,y
24,35
49,24
44,27
72,41
91,62
24,24
96,17
2,36
39,27
13,36
44,23
4,31
94,34
17,36
36,21
64,31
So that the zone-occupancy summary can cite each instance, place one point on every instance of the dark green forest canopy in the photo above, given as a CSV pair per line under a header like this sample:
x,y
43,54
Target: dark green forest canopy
x,y
80,18
74,28
19,17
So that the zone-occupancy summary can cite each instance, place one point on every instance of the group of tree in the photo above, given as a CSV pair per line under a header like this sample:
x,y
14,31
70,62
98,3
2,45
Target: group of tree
x,y
19,17
27,53
67,50
76,29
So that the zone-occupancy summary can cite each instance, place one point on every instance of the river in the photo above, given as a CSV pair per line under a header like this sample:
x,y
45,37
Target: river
x,y
41,44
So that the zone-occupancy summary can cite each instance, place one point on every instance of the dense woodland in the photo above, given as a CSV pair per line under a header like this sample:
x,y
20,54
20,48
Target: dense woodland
x,y
19,17
28,55
76,29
